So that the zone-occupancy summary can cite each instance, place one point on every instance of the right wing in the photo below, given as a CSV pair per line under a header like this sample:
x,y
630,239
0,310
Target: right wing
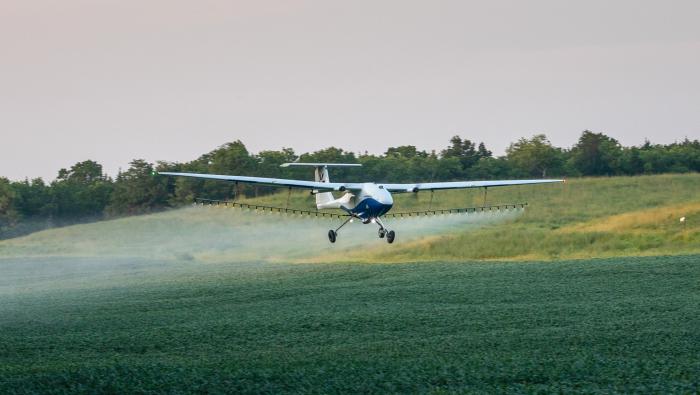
x,y
276,182
431,186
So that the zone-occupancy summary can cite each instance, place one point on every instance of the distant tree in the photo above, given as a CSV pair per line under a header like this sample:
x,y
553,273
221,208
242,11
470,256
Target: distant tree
x,y
33,199
596,154
85,172
483,152
631,161
449,169
268,162
138,190
466,151
229,158
80,192
491,168
534,157
8,214
329,155
405,151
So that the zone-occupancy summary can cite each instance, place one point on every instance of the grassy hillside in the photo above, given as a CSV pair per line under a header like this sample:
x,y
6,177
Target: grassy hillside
x,y
584,218
146,326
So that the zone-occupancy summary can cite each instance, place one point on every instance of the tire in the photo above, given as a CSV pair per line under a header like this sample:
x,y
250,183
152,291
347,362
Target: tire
x,y
390,236
332,236
382,233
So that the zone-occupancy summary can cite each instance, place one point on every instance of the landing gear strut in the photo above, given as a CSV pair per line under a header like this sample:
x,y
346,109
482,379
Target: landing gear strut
x,y
383,232
333,234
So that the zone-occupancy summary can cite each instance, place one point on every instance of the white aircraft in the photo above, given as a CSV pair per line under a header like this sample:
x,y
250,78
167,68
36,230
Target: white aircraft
x,y
367,201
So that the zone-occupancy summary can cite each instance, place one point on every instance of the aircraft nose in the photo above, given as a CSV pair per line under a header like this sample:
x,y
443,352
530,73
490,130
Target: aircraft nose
x,y
385,198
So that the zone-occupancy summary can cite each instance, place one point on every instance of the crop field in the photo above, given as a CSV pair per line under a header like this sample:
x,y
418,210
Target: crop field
x,y
592,289
90,325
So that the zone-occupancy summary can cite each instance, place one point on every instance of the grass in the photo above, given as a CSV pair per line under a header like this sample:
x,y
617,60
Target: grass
x,y
601,326
584,218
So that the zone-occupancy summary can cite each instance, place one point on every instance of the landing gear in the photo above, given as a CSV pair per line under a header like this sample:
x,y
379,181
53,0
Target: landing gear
x,y
383,232
333,234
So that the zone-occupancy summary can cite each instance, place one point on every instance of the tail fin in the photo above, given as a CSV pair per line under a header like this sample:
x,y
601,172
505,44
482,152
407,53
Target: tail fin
x,y
321,175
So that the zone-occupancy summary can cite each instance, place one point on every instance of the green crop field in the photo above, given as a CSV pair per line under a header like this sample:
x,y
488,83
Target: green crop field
x,y
592,289
121,326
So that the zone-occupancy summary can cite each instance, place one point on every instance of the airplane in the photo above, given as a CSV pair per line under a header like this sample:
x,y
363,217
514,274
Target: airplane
x,y
365,201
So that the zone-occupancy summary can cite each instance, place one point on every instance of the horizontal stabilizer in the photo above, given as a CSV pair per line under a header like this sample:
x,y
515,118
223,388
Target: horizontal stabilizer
x,y
321,164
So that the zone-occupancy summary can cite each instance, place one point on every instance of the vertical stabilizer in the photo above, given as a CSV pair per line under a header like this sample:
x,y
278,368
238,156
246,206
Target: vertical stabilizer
x,y
321,175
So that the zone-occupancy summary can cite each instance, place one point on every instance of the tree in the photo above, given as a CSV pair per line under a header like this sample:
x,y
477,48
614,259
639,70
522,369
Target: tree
x,y
33,199
8,214
466,151
596,154
491,168
405,151
535,156
483,152
268,162
80,192
631,162
138,190
229,158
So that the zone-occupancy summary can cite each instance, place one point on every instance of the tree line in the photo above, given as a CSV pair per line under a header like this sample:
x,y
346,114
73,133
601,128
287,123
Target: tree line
x,y
84,193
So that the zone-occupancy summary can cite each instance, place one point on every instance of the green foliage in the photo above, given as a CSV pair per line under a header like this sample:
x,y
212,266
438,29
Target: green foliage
x,y
535,157
138,190
466,151
8,215
83,193
596,154
140,326
34,198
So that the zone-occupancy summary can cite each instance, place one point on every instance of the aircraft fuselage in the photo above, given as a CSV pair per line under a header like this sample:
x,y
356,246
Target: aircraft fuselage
x,y
373,201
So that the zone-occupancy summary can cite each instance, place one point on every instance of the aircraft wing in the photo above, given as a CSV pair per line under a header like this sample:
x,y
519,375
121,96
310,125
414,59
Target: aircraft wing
x,y
430,186
278,182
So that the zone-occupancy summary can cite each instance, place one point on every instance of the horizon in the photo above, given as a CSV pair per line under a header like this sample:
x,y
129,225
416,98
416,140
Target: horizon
x,y
298,153
156,80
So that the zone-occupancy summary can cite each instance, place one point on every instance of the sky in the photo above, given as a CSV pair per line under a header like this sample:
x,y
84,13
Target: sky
x,y
115,80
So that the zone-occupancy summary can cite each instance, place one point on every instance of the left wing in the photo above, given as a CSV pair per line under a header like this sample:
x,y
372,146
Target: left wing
x,y
279,182
431,186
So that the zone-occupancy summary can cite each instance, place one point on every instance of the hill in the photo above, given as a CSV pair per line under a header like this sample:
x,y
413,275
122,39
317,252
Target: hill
x,y
583,218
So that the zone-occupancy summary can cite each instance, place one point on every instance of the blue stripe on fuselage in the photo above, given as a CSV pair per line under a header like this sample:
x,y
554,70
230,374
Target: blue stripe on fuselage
x,y
370,208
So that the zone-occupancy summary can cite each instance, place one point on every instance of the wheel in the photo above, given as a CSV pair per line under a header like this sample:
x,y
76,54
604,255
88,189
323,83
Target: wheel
x,y
390,236
382,233
332,235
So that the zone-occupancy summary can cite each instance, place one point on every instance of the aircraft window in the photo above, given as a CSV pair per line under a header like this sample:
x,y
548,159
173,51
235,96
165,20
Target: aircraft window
x,y
381,187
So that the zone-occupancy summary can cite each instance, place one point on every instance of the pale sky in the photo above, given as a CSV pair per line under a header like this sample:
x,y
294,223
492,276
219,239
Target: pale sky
x,y
114,80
